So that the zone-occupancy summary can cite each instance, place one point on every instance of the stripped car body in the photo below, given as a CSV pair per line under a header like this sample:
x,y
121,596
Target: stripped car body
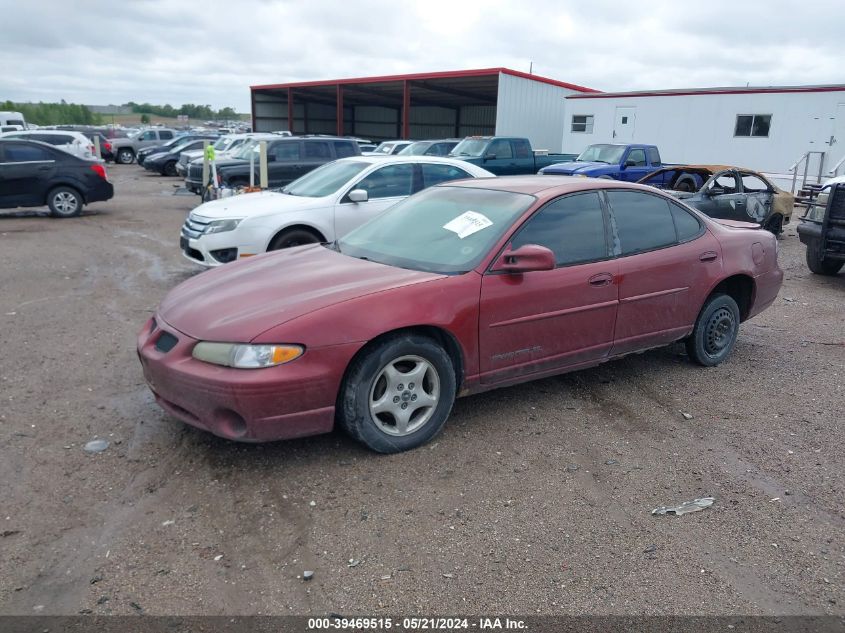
x,y
726,192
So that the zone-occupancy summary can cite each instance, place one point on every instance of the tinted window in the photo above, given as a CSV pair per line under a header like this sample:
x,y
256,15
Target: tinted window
x,y
165,135
753,184
286,151
344,148
572,227
653,156
522,149
501,148
21,153
388,182
317,149
644,222
148,136
686,225
433,174
636,156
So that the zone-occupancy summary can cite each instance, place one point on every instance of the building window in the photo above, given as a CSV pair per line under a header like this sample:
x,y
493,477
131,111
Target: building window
x,y
753,124
582,123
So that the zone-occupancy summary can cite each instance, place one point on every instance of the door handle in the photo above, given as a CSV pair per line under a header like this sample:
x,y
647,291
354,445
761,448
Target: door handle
x,y
708,256
602,279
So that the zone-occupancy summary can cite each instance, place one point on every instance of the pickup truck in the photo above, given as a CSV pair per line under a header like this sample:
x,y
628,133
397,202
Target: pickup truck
x,y
288,158
505,155
125,148
611,161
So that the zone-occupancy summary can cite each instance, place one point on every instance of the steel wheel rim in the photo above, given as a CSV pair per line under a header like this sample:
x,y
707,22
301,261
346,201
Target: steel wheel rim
x,y
65,202
719,332
404,395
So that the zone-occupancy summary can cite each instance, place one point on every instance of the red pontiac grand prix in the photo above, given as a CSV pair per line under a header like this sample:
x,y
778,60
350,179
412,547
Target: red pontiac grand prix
x,y
461,288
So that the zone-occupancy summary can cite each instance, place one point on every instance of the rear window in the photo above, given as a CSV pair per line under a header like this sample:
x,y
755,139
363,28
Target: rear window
x,y
344,149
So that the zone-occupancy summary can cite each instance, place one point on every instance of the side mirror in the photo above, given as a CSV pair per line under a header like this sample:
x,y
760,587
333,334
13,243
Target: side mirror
x,y
358,195
630,163
525,259
489,157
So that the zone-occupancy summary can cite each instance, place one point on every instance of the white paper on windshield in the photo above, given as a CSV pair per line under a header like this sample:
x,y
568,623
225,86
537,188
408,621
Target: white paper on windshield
x,y
467,223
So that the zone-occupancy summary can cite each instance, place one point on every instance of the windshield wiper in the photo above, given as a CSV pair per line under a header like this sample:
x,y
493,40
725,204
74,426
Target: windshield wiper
x,y
333,245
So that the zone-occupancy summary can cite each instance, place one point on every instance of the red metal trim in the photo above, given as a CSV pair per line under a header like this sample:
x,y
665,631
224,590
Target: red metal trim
x,y
339,112
406,109
252,110
716,91
290,110
482,72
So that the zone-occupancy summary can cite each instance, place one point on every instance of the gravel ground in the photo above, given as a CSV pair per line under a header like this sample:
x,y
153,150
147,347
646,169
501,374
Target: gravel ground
x,y
536,499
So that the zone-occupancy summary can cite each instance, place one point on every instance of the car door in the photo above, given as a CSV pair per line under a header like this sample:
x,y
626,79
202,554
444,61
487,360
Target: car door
x,y
285,162
385,186
635,165
551,319
666,258
722,197
500,158
145,139
759,197
25,173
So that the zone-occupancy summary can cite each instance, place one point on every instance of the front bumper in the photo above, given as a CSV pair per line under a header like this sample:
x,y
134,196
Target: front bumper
x,y
216,249
248,405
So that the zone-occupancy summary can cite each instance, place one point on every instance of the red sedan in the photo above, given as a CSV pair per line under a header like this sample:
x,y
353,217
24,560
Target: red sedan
x,y
461,288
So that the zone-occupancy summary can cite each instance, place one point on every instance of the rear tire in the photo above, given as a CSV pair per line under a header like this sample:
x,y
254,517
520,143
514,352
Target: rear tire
x,y
64,202
774,224
169,168
714,335
293,237
124,156
817,263
397,395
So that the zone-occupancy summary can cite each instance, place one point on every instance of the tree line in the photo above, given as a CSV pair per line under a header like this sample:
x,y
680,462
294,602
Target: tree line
x,y
193,111
54,113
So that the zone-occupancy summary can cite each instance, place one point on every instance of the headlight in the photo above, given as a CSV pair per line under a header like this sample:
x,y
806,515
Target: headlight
x,y
246,356
221,226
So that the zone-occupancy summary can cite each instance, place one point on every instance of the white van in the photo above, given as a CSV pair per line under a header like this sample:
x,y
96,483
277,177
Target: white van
x,y
11,121
75,143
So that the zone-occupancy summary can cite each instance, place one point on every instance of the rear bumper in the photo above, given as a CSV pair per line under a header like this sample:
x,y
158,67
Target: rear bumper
x,y
100,192
767,287
246,405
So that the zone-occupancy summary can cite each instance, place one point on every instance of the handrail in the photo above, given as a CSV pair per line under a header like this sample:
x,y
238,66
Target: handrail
x,y
834,171
805,158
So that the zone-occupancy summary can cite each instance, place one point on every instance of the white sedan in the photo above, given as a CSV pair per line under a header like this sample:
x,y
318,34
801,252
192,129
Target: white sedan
x,y
321,206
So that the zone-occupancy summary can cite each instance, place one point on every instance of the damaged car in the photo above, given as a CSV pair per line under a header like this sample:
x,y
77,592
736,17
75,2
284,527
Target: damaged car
x,y
728,193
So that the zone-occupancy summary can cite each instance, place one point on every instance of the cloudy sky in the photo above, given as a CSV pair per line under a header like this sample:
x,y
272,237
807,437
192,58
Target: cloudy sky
x,y
210,51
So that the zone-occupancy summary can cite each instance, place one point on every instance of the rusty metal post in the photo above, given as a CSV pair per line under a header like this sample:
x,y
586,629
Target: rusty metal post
x,y
406,109
262,154
339,110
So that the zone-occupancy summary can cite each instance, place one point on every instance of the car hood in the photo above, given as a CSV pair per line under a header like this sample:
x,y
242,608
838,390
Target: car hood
x,y
239,301
572,167
250,205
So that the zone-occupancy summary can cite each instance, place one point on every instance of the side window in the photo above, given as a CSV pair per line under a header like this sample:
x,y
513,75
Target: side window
x,y
388,182
433,174
317,149
636,156
165,135
23,153
148,136
726,182
286,151
60,139
654,156
572,227
342,149
644,222
752,183
522,149
687,225
501,148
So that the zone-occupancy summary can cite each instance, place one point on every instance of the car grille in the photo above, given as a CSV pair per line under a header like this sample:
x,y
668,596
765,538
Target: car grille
x,y
195,225
195,173
166,342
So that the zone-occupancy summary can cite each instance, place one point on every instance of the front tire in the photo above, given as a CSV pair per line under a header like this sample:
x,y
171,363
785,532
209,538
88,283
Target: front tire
x,y
816,261
293,237
397,395
64,202
714,335
124,156
169,169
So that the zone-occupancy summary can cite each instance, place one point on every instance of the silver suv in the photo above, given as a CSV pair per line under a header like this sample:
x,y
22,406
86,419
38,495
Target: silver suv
x,y
125,148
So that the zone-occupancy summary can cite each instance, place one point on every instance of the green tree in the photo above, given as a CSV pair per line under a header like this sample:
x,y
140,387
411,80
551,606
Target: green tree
x,y
145,118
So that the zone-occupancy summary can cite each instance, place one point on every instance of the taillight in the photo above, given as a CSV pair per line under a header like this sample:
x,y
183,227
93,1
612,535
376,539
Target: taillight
x,y
99,170
107,145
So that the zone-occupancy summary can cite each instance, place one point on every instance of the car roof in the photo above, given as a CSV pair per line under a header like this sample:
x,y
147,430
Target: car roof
x,y
710,168
397,159
546,185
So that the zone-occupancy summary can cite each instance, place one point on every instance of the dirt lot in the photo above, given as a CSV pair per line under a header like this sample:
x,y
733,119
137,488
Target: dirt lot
x,y
535,499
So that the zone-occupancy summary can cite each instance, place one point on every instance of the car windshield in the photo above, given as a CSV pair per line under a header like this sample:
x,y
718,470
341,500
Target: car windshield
x,y
180,147
442,229
384,148
251,147
325,180
602,154
222,143
470,147
415,149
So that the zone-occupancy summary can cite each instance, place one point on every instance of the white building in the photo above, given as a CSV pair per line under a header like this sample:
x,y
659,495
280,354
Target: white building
x,y
767,129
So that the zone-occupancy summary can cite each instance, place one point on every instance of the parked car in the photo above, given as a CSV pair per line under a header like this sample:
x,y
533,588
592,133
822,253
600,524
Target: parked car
x,y
388,148
13,120
34,174
106,149
165,162
288,158
74,143
610,160
318,207
461,288
224,147
733,193
430,148
822,229
144,153
505,155
126,148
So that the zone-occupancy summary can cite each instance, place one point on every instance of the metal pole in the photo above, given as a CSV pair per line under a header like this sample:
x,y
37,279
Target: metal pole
x,y
806,167
262,155
821,166
339,110
204,164
406,109
97,151
251,170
